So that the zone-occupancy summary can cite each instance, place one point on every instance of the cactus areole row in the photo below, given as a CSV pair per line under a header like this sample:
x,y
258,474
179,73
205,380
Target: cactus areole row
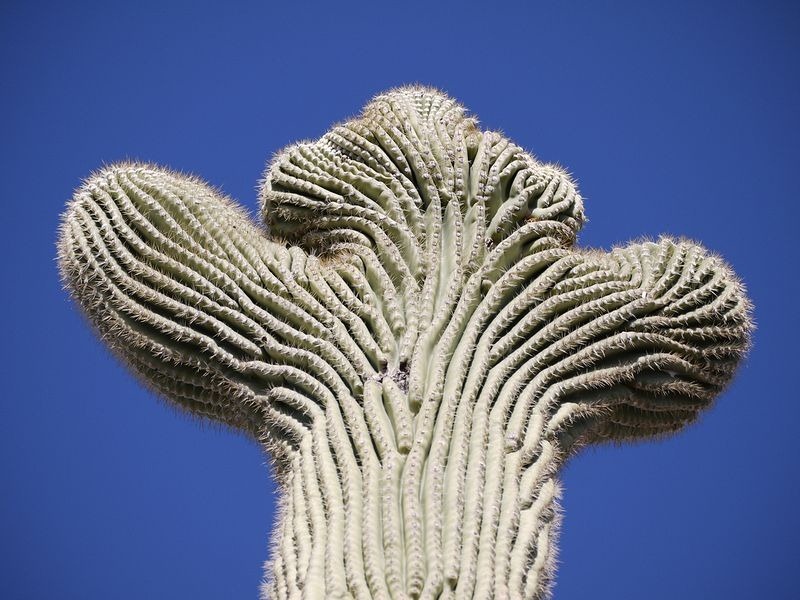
x,y
412,335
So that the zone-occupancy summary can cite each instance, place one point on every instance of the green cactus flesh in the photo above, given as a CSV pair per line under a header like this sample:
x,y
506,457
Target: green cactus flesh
x,y
413,337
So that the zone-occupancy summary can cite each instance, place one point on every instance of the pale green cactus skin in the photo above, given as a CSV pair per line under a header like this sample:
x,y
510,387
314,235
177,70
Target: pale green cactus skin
x,y
414,338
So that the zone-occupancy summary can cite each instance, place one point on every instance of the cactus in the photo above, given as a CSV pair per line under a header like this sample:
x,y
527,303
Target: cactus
x,y
413,337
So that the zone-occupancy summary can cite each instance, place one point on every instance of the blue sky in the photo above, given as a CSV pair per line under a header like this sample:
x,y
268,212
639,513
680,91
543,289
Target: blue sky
x,y
675,118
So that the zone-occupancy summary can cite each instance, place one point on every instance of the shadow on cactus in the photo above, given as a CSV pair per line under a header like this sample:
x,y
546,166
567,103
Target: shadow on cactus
x,y
412,335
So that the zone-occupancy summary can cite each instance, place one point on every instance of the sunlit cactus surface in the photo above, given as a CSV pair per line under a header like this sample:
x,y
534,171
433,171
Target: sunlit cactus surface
x,y
413,336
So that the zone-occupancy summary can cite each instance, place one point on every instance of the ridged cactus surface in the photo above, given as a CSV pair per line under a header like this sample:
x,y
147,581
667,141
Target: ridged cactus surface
x,y
412,335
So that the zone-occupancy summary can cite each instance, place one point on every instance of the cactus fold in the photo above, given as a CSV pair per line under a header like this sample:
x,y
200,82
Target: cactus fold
x,y
412,335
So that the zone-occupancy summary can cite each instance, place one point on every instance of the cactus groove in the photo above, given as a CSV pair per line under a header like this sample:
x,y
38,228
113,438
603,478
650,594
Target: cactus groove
x,y
413,336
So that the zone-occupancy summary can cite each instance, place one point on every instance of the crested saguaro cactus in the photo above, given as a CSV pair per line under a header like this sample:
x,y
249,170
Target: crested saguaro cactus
x,y
412,336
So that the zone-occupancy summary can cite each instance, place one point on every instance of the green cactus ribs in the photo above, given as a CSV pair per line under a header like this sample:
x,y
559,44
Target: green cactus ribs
x,y
413,336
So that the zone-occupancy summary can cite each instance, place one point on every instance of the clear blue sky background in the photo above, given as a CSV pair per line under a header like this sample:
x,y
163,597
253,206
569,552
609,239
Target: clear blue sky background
x,y
676,118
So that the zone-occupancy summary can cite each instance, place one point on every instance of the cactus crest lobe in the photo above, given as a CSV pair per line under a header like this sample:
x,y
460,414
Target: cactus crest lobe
x,y
412,335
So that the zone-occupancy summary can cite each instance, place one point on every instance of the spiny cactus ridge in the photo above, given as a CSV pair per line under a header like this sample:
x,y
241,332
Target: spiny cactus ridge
x,y
412,335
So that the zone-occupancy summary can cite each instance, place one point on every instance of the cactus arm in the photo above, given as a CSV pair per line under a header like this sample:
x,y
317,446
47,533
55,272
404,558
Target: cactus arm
x,y
413,337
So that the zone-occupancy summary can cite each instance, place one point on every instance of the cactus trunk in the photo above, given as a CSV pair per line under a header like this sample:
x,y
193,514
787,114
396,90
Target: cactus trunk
x,y
414,339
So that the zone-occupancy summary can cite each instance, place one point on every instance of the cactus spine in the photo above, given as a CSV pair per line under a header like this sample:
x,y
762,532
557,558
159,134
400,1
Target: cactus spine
x,y
413,337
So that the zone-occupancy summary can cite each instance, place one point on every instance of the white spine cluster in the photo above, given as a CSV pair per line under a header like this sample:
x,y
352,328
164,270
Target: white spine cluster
x,y
414,339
